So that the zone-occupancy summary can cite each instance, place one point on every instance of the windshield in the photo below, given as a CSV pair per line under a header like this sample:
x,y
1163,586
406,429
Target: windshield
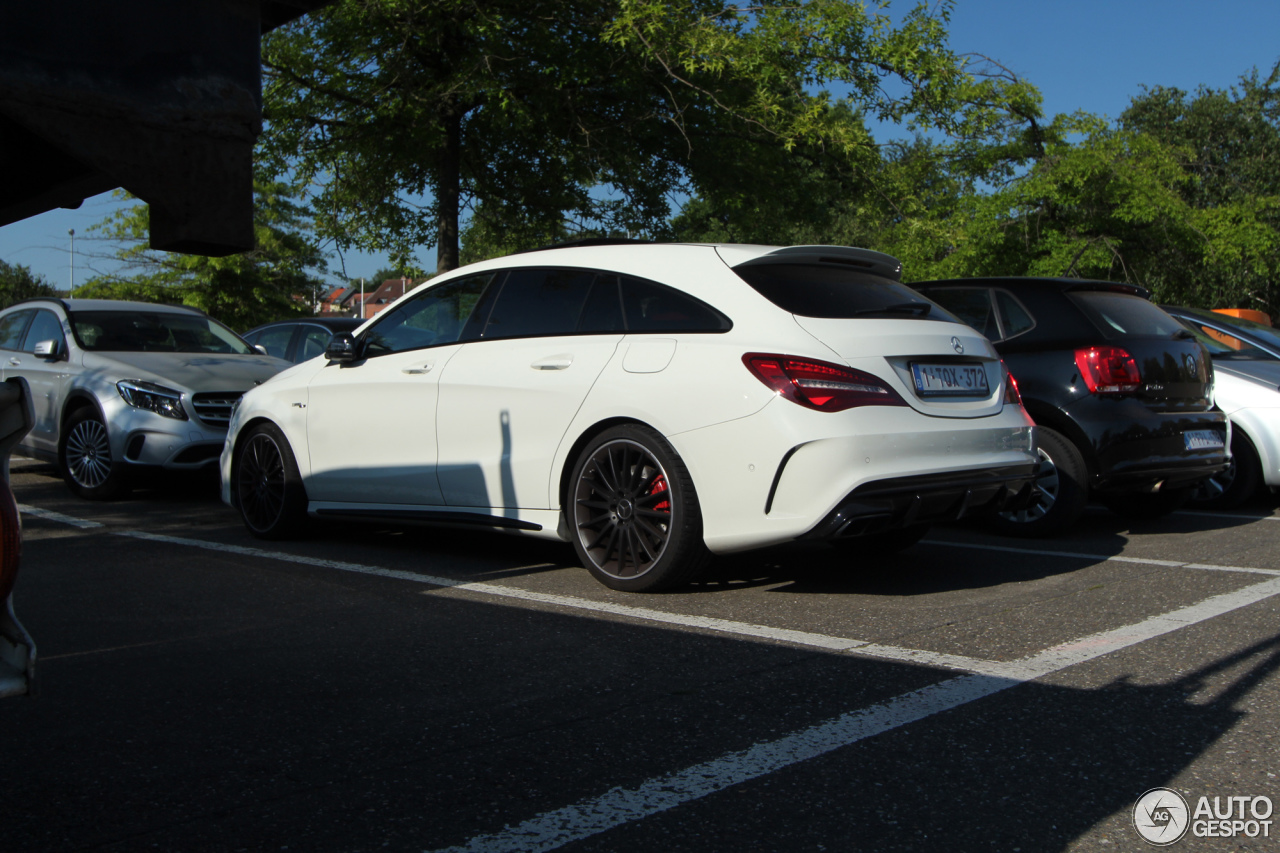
x,y
154,331
1225,347
1267,333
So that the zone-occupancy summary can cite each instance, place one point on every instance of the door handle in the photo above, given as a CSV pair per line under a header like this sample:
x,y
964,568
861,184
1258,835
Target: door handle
x,y
415,371
16,362
555,362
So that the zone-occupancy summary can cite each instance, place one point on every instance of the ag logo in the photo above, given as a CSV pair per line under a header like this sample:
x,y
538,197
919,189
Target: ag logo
x,y
1161,816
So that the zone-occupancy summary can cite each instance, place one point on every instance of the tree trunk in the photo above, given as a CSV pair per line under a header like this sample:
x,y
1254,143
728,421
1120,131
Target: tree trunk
x,y
448,189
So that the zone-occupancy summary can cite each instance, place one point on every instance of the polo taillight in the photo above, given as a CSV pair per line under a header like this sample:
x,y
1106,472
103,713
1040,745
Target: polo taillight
x,y
1108,370
10,540
820,385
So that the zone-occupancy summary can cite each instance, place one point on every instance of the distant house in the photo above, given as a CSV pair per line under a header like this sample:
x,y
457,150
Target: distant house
x,y
389,291
349,302
330,303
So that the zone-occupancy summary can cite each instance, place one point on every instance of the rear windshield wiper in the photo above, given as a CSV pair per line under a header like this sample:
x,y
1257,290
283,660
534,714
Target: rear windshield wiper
x,y
919,309
1184,335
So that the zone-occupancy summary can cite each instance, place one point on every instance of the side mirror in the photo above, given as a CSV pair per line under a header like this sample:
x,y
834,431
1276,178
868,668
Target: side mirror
x,y
50,350
342,348
259,349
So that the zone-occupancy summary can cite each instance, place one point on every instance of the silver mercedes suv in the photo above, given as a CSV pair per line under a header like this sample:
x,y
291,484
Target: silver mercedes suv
x,y
123,387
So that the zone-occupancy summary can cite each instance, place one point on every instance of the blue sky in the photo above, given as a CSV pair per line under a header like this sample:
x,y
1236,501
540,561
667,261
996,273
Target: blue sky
x,y
1085,54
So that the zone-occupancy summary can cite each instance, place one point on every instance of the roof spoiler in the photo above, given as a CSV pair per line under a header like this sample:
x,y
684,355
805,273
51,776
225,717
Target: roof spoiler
x,y
876,263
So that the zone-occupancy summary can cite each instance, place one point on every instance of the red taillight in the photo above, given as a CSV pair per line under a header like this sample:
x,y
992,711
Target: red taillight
x,y
10,540
1011,393
1108,370
819,384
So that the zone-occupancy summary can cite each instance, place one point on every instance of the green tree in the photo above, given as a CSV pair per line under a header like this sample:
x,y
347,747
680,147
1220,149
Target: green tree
x,y
1228,145
544,118
18,282
1176,197
279,278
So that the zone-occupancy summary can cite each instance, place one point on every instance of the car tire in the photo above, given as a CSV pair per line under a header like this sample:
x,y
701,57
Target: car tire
x,y
267,486
1061,490
881,544
1232,487
632,512
1145,507
85,460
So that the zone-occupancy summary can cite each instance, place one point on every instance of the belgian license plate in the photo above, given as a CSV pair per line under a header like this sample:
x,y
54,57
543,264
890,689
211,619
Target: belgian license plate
x,y
1203,439
951,380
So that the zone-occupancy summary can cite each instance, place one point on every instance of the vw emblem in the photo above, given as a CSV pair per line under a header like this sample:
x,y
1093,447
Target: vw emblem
x,y
1190,361
957,346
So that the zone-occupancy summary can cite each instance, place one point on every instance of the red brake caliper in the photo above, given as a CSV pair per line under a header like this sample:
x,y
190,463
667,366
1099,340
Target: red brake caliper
x,y
660,485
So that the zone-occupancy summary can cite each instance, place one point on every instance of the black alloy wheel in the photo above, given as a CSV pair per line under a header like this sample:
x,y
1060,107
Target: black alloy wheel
x,y
633,512
267,485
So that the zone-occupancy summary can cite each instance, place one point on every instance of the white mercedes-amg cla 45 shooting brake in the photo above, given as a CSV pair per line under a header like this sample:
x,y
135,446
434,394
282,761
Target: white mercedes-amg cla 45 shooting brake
x,y
652,404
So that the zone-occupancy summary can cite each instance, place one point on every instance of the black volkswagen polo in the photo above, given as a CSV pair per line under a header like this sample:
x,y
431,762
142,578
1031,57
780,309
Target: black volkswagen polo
x,y
1121,393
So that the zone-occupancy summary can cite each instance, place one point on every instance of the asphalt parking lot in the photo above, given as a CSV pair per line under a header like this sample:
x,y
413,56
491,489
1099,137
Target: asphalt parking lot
x,y
409,689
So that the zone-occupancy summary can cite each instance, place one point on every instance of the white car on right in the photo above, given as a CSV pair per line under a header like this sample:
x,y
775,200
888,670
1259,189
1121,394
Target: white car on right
x,y
1247,390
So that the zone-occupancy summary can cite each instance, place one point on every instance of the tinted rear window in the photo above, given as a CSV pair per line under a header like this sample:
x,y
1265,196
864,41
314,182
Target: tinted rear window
x,y
539,302
652,307
814,290
1120,314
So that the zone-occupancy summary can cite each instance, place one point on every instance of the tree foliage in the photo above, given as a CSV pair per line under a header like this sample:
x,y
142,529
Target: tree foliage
x,y
1176,197
545,118
18,282
279,278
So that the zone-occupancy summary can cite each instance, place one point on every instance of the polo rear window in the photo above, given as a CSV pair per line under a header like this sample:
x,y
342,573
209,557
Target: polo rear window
x,y
818,290
1119,314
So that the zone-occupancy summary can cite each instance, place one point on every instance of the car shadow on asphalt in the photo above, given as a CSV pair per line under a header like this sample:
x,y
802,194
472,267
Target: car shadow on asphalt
x,y
1044,767
308,742
957,556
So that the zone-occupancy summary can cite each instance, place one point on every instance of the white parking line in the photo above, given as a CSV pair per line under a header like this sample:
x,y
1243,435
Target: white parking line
x,y
50,515
847,645
619,806
1142,561
724,626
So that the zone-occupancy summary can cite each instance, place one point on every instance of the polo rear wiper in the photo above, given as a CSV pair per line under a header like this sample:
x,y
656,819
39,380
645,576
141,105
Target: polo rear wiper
x,y
919,309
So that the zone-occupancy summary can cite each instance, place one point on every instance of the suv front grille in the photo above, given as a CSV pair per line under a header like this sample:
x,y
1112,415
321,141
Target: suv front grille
x,y
214,407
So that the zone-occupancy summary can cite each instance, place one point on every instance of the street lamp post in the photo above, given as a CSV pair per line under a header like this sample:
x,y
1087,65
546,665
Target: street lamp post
x,y
72,232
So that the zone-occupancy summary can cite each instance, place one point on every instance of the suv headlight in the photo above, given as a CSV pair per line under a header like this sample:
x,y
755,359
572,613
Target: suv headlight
x,y
154,398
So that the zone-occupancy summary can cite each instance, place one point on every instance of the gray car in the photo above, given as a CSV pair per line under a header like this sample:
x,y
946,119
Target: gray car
x,y
124,387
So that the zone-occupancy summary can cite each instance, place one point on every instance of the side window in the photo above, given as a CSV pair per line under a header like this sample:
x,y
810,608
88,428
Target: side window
x,y
539,302
435,316
1013,314
603,312
314,340
275,341
11,328
970,304
651,307
45,327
